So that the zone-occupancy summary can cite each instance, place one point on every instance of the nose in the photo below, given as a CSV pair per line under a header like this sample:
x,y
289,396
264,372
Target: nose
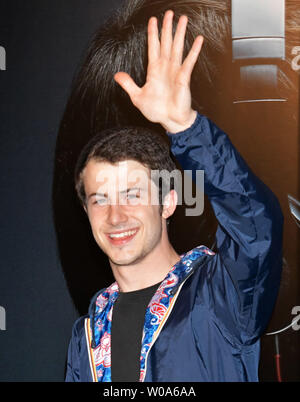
x,y
116,215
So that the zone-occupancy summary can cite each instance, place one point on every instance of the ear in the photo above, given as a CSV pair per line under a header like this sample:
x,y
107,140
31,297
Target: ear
x,y
170,204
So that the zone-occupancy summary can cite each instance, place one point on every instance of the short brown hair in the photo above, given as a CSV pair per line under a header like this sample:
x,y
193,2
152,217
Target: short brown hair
x,y
114,145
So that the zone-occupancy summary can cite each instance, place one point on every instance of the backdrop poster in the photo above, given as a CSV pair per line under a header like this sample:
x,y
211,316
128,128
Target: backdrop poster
x,y
50,265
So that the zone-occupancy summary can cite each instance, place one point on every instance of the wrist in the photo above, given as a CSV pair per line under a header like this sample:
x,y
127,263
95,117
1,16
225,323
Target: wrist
x,y
179,125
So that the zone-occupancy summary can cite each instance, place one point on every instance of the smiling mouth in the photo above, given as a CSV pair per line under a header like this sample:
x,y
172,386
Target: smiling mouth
x,y
120,238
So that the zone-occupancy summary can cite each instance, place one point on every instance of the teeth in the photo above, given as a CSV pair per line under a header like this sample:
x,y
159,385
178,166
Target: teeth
x,y
124,234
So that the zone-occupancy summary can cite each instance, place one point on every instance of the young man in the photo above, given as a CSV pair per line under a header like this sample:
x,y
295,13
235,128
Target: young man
x,y
194,317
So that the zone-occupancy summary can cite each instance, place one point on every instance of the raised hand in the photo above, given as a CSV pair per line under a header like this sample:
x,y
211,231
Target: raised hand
x,y
166,96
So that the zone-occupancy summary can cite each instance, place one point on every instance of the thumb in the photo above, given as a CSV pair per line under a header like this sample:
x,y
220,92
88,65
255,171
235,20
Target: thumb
x,y
127,83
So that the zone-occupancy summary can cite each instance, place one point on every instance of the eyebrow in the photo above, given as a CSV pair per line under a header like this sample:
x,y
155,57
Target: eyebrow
x,y
121,192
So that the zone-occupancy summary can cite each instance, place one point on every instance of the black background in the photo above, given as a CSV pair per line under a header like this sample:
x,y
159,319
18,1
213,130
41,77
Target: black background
x,y
44,41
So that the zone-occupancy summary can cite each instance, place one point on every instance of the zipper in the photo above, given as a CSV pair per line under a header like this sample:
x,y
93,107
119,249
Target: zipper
x,y
88,336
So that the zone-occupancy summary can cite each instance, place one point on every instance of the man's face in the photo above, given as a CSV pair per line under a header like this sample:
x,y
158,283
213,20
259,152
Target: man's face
x,y
122,206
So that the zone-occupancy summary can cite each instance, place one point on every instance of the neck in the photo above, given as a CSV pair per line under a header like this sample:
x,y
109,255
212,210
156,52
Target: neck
x,y
152,269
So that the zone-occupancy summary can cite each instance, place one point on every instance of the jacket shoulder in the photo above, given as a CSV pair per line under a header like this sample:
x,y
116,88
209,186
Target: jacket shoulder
x,y
78,327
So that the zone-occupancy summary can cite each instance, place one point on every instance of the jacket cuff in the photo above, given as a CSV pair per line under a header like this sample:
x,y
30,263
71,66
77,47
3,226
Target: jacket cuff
x,y
188,131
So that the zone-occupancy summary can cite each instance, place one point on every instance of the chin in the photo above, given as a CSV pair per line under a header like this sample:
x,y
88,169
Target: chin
x,y
126,260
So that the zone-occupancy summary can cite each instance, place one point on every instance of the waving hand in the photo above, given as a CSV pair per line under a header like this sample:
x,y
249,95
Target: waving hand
x,y
165,98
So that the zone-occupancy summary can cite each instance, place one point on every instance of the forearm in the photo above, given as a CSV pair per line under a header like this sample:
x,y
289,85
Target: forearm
x,y
234,191
249,235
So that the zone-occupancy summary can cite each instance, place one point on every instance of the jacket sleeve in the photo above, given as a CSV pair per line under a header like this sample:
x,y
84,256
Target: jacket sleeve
x,y
73,362
249,234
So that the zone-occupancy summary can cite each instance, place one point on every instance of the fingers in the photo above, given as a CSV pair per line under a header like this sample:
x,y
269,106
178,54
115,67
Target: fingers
x,y
167,35
167,47
153,40
178,43
192,57
127,83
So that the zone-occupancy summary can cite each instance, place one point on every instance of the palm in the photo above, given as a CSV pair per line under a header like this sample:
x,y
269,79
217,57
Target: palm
x,y
163,94
165,98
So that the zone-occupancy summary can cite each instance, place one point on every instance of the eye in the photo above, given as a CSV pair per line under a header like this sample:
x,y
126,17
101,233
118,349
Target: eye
x,y
100,201
133,194
133,197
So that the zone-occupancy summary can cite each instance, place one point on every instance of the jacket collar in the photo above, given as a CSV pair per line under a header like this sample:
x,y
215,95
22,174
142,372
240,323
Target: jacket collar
x,y
101,308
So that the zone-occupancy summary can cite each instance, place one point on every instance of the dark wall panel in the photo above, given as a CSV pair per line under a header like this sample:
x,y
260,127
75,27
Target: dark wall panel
x,y
44,41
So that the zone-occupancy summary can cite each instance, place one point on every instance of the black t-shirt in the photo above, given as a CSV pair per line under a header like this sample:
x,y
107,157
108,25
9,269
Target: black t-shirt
x,y
127,331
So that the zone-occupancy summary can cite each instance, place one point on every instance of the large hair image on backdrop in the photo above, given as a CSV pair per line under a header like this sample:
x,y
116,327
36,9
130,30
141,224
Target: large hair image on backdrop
x,y
246,80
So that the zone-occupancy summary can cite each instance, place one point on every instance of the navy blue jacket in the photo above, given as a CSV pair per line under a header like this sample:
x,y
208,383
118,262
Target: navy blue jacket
x,y
205,320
